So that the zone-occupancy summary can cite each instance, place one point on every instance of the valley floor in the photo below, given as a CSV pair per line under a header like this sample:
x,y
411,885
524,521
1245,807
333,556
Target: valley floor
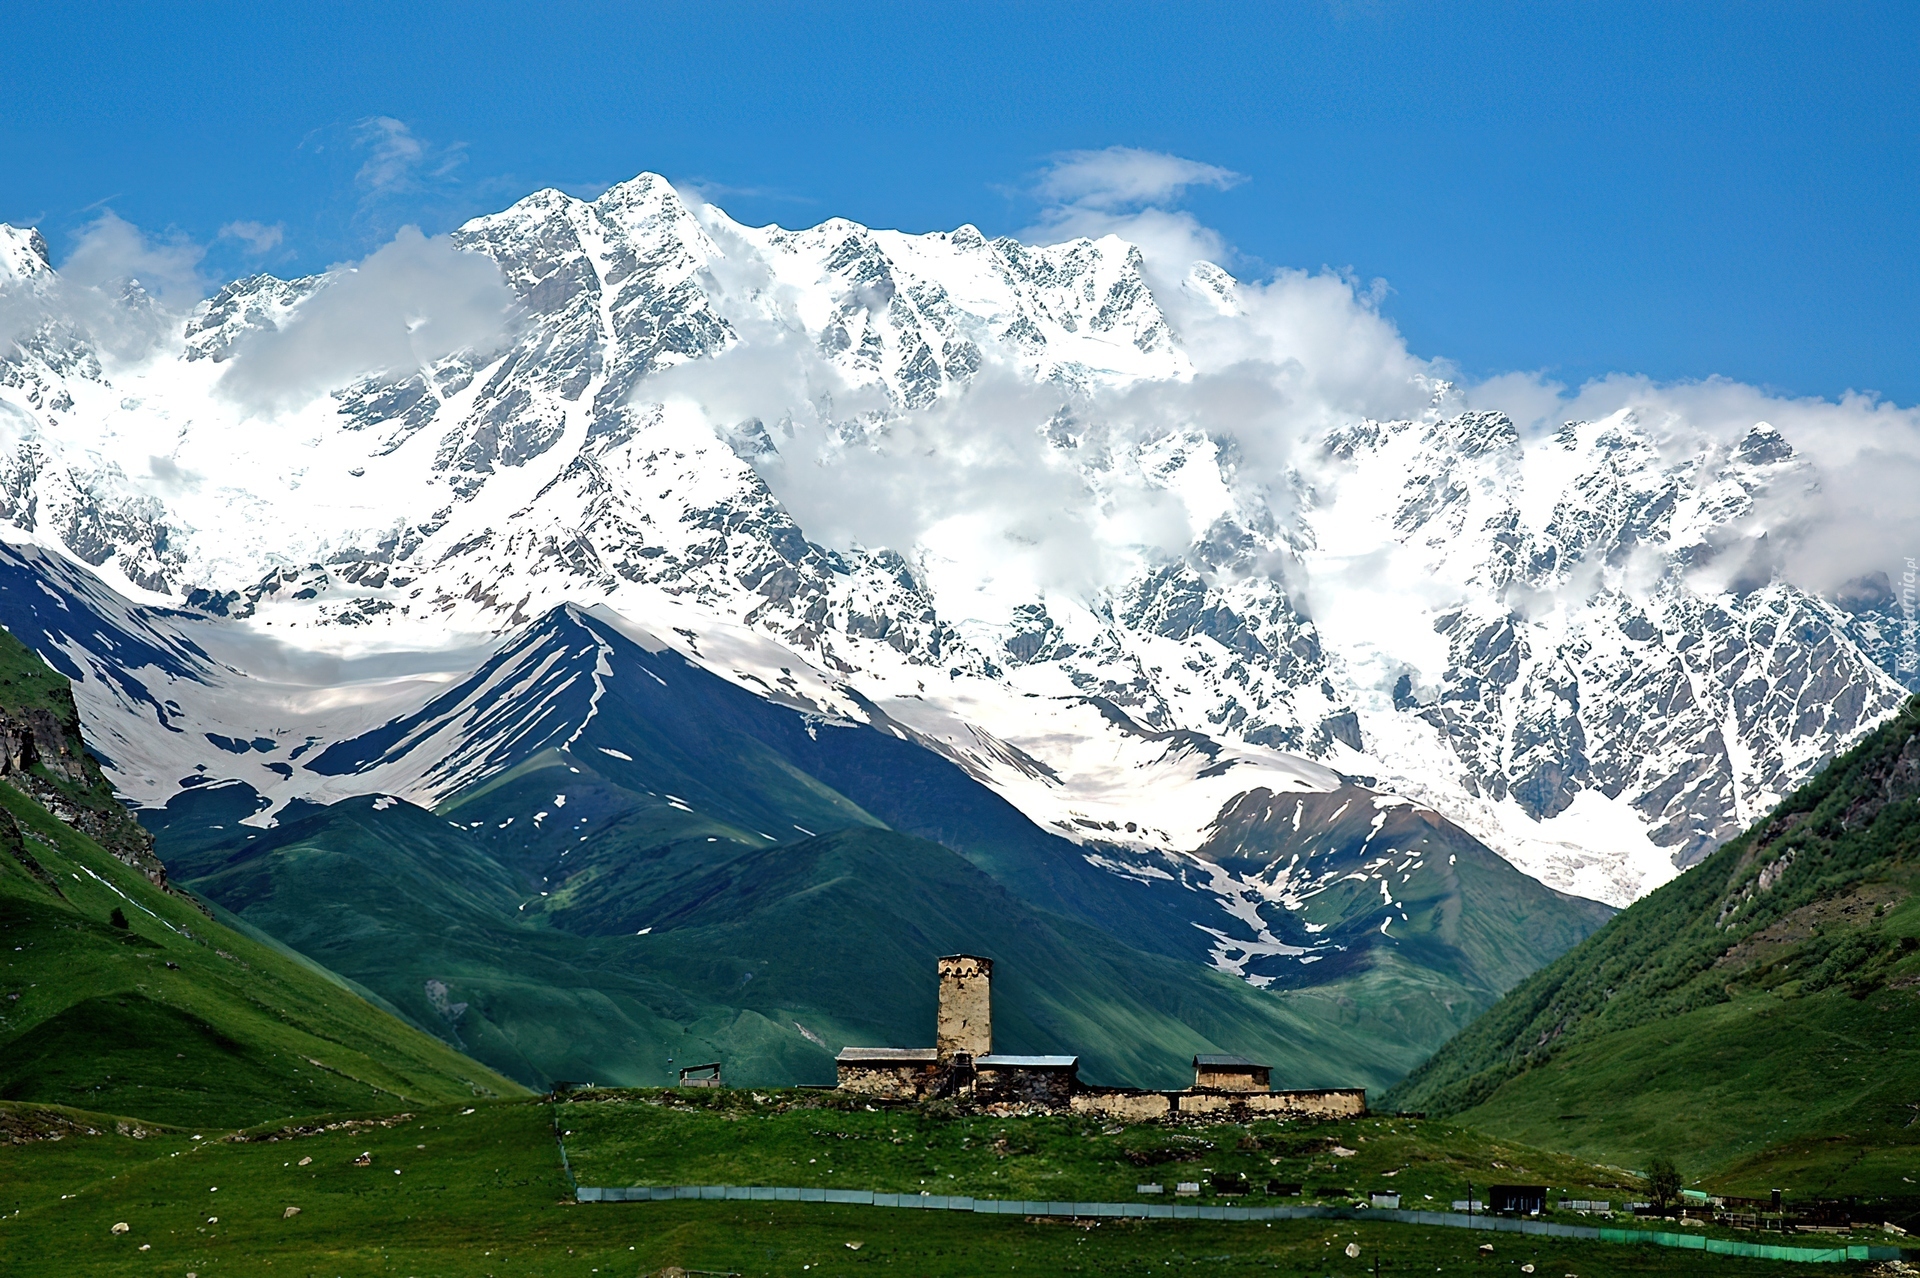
x,y
481,1190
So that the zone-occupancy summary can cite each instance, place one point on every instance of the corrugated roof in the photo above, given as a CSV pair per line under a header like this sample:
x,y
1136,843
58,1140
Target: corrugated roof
x,y
883,1055
1026,1062
1227,1062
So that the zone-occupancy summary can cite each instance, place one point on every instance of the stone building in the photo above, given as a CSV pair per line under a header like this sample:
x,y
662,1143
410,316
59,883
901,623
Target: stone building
x,y
962,1061
963,1065
1229,1074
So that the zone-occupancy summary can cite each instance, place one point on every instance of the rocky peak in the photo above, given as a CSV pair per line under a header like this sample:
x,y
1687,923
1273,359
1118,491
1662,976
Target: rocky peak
x,y
23,254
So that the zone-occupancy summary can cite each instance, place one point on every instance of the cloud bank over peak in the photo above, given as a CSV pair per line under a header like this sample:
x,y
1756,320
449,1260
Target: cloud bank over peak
x,y
1130,193
123,289
1049,485
414,301
1005,486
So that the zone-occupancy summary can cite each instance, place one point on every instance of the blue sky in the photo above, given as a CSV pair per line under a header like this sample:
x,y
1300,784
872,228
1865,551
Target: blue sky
x,y
1674,190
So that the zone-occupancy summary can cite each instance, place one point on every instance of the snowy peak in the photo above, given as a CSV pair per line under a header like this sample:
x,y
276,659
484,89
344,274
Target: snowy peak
x,y
23,255
1572,644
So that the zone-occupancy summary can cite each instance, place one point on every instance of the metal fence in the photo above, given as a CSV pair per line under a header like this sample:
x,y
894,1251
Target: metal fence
x,y
1202,1211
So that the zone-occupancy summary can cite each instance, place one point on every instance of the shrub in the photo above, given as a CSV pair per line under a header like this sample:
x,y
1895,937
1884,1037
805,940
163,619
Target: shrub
x,y
1663,1183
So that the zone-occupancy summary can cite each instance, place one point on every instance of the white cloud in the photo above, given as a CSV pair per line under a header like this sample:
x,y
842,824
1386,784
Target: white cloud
x,y
258,237
114,254
980,487
121,288
414,301
1125,191
1125,177
394,154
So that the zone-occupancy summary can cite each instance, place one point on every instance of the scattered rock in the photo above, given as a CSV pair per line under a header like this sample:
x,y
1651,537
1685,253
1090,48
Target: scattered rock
x,y
303,1162
853,1246
289,1213
365,1159
1353,1251
121,1227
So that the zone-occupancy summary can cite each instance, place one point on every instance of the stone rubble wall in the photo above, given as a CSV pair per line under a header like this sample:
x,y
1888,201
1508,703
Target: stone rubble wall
x,y
910,1081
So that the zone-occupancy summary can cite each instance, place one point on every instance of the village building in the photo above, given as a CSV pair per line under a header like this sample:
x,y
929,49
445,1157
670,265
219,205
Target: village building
x,y
1230,1074
963,1065
962,1061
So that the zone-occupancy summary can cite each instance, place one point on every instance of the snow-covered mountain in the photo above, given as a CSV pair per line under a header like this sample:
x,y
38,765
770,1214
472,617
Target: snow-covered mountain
x,y
1117,543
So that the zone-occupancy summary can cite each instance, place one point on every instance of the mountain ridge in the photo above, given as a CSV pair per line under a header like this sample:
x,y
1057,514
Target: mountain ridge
x,y
1586,700
627,789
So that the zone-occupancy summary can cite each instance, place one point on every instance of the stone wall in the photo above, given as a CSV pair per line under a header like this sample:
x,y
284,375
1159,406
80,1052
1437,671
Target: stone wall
x,y
1125,1104
1329,1102
1024,1085
1130,1105
909,1080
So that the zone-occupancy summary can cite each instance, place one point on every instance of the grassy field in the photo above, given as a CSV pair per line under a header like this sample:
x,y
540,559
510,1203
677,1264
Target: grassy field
x,y
478,1190
774,1138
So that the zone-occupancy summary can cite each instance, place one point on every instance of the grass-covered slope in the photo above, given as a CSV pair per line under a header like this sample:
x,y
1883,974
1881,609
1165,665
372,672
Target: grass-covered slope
x,y
1759,1013
44,757
173,1017
769,958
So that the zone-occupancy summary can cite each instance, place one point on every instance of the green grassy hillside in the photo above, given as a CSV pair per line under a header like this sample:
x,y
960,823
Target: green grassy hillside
x,y
769,959
121,995
1760,1014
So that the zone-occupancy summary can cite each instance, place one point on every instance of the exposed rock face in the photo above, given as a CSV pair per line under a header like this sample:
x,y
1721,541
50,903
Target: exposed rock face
x,y
43,754
36,736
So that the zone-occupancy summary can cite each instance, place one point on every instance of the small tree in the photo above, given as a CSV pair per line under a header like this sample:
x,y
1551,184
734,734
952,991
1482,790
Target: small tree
x,y
1663,1183
118,918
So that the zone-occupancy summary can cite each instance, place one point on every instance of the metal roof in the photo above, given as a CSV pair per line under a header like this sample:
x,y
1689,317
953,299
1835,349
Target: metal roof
x,y
1026,1062
884,1055
1227,1062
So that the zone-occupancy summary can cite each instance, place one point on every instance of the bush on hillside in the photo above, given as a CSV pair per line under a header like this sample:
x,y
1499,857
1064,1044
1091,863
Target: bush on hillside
x,y
1663,1183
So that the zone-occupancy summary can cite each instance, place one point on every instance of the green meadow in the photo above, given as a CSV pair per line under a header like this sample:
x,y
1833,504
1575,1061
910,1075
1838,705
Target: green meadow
x,y
479,1189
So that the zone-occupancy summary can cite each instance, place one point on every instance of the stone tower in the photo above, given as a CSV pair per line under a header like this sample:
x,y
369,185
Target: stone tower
x,y
966,1007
